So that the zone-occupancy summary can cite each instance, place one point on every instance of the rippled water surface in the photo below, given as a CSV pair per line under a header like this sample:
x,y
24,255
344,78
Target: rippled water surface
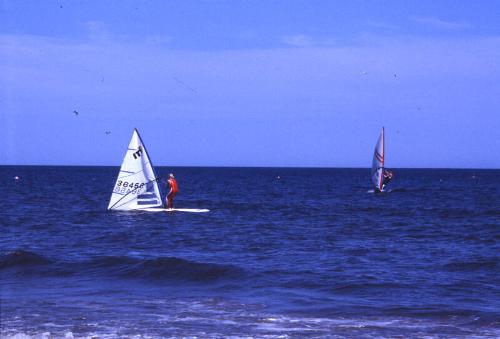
x,y
282,253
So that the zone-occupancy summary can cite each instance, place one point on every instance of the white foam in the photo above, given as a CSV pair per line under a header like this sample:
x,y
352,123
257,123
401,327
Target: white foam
x,y
205,318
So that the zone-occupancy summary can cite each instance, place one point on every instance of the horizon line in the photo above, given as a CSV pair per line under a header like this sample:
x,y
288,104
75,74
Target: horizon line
x,y
268,167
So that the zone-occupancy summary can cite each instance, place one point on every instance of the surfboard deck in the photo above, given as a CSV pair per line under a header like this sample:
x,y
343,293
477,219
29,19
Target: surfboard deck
x,y
378,192
189,210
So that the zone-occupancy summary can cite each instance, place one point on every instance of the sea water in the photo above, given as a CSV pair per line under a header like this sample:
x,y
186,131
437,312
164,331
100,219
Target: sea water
x,y
283,253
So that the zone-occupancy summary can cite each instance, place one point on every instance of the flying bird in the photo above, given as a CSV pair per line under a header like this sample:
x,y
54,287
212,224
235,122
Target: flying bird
x,y
185,85
108,132
75,112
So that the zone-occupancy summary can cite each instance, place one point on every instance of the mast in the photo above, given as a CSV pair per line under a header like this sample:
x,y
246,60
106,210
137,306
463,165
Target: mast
x,y
383,147
383,158
146,151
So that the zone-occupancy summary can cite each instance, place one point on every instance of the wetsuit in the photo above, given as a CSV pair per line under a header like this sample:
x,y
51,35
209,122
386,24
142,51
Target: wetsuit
x,y
387,177
173,191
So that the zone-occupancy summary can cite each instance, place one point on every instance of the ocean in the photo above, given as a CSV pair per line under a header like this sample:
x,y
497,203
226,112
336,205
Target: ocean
x,y
283,253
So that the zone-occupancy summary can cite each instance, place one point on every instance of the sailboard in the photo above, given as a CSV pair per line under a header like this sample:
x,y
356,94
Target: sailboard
x,y
137,184
378,163
189,210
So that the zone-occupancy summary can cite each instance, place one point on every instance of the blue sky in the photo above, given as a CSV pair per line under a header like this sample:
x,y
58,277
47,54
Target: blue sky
x,y
251,83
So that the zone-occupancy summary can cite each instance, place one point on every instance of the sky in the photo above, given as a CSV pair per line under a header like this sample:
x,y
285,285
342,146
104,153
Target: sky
x,y
251,83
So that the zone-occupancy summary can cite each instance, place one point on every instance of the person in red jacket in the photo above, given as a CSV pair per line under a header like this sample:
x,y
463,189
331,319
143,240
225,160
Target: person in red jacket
x,y
173,191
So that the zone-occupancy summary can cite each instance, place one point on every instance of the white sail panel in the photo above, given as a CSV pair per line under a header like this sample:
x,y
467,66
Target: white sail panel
x,y
136,186
378,162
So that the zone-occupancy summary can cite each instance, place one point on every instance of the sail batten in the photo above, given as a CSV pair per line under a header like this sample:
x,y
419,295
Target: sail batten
x,y
135,179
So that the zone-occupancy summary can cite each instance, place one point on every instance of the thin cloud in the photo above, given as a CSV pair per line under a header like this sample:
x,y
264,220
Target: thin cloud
x,y
96,30
158,40
303,40
382,25
299,40
442,24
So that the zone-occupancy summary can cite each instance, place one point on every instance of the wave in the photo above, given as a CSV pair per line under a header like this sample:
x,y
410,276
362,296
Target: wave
x,y
210,322
490,213
368,287
460,213
161,268
20,258
164,268
464,266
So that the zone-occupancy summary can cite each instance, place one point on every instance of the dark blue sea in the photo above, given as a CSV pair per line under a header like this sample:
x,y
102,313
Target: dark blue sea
x,y
283,253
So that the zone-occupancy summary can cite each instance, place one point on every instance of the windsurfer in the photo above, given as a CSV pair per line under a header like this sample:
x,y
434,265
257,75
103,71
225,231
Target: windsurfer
x,y
386,177
172,183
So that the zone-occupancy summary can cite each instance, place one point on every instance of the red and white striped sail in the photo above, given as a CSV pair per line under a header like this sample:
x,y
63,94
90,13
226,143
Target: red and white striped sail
x,y
136,186
378,162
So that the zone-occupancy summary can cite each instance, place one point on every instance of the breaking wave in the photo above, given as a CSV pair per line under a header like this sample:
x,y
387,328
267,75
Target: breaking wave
x,y
160,268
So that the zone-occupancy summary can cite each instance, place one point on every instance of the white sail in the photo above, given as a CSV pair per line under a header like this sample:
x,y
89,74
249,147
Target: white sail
x,y
378,162
136,186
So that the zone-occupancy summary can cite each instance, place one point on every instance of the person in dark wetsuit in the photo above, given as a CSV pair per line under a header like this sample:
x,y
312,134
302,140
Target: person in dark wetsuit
x,y
387,177
173,191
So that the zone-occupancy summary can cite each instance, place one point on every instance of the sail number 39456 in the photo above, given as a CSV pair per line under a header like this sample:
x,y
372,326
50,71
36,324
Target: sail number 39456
x,y
129,184
126,187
